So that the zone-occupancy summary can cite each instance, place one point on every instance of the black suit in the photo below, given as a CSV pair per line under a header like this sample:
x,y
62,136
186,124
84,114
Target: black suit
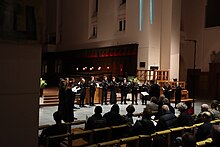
x,y
92,86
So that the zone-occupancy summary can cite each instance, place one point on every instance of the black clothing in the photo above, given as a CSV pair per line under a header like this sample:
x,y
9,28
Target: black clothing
x,y
82,94
113,118
185,119
134,92
95,121
61,96
124,92
113,97
68,106
143,127
92,86
166,121
154,91
145,88
203,131
104,91
178,95
167,91
52,130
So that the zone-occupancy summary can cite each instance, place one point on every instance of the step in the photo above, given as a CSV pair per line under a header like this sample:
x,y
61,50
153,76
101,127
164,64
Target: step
x,y
49,104
50,98
49,101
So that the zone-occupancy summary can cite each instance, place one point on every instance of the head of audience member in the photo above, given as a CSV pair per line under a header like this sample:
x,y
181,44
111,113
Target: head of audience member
x,y
113,79
124,80
92,78
164,108
161,98
215,134
206,116
105,78
166,101
204,107
188,104
214,104
115,108
130,109
181,107
57,117
147,113
153,99
188,140
98,110
152,82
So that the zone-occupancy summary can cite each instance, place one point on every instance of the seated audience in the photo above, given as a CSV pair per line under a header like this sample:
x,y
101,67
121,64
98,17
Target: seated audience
x,y
153,106
96,120
129,116
190,109
214,109
144,126
204,107
56,129
113,117
167,120
184,119
166,102
159,141
215,135
188,140
203,131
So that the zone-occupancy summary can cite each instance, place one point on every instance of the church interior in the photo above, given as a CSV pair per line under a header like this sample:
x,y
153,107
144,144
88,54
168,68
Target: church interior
x,y
172,41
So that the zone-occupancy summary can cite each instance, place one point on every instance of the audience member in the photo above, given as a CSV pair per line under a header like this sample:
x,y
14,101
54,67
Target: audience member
x,y
144,126
190,109
166,120
167,102
203,131
215,135
96,120
188,140
153,106
204,107
214,109
113,117
56,129
184,119
129,116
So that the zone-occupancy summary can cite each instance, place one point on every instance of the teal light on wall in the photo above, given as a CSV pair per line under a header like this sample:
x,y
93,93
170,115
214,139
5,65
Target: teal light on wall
x,y
151,11
141,15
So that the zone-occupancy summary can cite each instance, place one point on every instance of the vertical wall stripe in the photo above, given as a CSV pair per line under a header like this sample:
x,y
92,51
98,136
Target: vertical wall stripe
x,y
141,15
151,11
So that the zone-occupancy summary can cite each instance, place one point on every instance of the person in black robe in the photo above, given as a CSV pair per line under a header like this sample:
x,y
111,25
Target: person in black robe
x,y
68,115
82,86
124,90
145,88
104,90
61,95
92,86
178,94
167,90
134,90
113,84
154,89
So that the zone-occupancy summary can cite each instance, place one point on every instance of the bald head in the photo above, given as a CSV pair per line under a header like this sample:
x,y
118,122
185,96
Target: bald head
x,y
204,107
165,108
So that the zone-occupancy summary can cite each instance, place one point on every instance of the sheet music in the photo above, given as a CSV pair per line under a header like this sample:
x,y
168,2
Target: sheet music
x,y
75,89
144,93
